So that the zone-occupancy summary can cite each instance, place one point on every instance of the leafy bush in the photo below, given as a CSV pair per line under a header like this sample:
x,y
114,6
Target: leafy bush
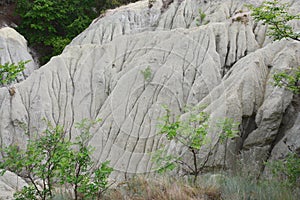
x,y
51,161
275,14
191,133
45,21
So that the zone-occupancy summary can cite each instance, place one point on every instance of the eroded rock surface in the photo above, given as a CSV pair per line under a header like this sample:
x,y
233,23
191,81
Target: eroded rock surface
x,y
9,184
13,49
224,64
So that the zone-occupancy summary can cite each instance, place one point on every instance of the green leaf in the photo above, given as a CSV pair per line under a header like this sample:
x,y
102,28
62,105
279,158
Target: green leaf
x,y
10,71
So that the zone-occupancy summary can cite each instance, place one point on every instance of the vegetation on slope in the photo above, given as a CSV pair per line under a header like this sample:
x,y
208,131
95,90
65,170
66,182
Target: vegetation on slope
x,y
276,15
209,187
52,160
49,25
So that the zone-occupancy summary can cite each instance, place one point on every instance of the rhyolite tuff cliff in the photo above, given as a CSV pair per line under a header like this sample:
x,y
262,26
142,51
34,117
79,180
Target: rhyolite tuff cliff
x,y
224,61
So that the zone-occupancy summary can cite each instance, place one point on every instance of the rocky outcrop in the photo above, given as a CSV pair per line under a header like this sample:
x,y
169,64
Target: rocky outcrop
x,y
13,49
224,64
9,184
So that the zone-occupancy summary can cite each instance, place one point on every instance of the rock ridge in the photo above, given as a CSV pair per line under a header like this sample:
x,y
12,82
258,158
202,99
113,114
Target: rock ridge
x,y
224,64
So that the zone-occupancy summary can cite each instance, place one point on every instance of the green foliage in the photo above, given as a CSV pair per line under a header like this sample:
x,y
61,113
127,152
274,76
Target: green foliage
x,y
49,25
147,73
229,129
40,160
10,71
191,133
201,18
202,15
77,167
291,82
56,161
26,193
165,162
275,14
287,170
45,21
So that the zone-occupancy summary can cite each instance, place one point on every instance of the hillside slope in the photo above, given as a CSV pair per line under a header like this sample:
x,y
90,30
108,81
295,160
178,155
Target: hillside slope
x,y
220,62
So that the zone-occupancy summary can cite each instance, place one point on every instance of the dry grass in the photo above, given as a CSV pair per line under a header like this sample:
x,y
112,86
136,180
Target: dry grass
x,y
210,187
141,188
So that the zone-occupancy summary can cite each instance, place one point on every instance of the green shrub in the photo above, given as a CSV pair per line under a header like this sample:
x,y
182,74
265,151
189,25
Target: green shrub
x,y
276,15
56,161
191,133
44,21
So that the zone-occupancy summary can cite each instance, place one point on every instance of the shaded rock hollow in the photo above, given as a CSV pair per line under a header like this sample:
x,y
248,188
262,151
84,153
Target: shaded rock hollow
x,y
218,62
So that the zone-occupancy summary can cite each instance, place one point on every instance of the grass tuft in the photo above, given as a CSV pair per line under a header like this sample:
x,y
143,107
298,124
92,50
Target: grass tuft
x,y
208,187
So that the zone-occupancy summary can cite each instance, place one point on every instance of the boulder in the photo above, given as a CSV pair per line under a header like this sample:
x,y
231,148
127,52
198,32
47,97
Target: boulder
x,y
9,184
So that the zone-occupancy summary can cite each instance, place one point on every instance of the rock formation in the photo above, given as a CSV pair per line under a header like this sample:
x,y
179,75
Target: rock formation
x,y
9,184
224,64
13,49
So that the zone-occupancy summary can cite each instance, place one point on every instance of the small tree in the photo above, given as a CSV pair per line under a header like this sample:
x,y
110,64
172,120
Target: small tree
x,y
79,169
191,133
51,161
40,160
275,14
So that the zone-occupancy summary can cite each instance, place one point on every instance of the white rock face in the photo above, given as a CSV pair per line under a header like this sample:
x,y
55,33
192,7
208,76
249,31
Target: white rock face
x,y
13,49
9,184
224,64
